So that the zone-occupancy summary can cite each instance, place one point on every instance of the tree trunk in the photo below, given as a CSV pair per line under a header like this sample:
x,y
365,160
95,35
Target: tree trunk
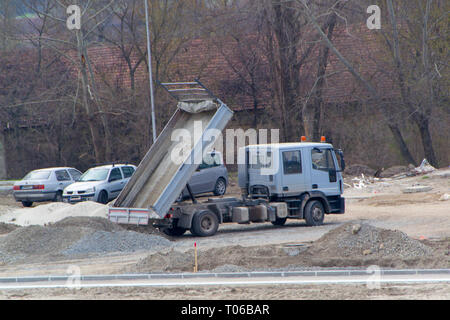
x,y
424,128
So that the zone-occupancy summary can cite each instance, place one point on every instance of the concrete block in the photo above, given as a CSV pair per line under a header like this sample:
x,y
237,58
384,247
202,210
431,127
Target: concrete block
x,y
417,189
258,213
281,209
240,214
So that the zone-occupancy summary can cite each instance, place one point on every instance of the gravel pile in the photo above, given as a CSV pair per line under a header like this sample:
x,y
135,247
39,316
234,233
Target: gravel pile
x,y
74,236
353,240
7,228
122,241
38,241
96,223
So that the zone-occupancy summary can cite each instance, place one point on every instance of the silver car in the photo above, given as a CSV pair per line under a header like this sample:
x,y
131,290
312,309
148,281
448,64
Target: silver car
x,y
101,184
44,185
211,176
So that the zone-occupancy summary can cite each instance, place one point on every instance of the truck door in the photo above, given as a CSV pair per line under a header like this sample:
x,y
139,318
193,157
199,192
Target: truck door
x,y
323,172
293,181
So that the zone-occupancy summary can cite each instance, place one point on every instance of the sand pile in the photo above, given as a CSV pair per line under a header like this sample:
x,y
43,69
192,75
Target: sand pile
x,y
53,212
72,238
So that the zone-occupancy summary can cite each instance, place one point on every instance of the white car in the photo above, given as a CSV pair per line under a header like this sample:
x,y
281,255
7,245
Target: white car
x,y
101,184
44,185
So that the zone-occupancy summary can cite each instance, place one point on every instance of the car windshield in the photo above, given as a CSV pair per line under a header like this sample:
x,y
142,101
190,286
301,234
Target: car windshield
x,y
37,175
94,175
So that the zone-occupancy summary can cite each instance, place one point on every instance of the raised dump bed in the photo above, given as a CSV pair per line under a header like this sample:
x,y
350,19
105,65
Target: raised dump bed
x,y
159,180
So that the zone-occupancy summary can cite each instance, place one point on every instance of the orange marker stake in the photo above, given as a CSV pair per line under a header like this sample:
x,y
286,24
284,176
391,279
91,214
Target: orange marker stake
x,y
195,257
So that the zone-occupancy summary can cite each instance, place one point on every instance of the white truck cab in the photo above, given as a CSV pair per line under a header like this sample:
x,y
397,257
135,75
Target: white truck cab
x,y
287,172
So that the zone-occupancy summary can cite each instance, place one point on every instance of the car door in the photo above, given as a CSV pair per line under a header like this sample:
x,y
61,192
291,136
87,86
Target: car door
x,y
323,172
199,181
115,182
63,178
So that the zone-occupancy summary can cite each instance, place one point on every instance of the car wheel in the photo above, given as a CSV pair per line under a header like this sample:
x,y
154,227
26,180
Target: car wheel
x,y
103,197
220,187
314,213
58,197
204,224
27,204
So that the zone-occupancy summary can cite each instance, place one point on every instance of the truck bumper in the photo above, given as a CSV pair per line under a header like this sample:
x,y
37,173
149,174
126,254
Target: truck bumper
x,y
338,206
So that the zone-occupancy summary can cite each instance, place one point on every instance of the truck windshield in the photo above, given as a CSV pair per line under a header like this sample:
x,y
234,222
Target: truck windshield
x,y
94,175
37,175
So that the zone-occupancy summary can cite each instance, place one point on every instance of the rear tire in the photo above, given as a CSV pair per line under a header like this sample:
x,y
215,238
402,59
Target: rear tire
x,y
27,204
314,213
204,224
103,197
221,187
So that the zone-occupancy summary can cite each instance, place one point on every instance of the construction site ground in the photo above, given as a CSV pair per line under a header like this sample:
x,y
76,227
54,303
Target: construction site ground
x,y
382,226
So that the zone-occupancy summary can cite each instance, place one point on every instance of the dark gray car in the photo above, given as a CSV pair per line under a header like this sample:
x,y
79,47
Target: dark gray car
x,y
211,176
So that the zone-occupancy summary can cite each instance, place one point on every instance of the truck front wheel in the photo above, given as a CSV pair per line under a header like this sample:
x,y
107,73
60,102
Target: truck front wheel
x,y
204,224
314,213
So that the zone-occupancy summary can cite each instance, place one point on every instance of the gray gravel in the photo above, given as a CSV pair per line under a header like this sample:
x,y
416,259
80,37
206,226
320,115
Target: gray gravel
x,y
123,241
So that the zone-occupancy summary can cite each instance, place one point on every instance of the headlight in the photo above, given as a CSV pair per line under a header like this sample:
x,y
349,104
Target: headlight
x,y
91,190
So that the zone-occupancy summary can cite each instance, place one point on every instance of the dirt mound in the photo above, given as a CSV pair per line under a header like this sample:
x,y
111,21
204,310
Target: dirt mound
x,y
350,245
358,169
392,171
360,240
7,227
96,223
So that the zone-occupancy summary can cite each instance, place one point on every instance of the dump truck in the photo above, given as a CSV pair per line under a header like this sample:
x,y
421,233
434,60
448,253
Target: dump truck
x,y
300,180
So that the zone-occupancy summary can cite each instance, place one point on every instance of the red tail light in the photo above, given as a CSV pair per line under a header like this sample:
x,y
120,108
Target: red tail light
x,y
39,187
16,188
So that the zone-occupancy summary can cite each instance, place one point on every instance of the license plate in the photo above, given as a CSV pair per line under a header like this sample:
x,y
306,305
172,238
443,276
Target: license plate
x,y
27,187
75,198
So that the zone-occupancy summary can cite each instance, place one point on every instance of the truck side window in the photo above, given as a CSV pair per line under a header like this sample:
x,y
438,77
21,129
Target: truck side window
x,y
322,160
292,162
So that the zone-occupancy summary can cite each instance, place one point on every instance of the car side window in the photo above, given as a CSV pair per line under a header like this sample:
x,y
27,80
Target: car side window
x,y
127,172
62,175
322,160
115,175
292,162
75,174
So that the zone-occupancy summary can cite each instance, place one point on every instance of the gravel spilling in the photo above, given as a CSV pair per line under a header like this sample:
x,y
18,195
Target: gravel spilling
x,y
122,241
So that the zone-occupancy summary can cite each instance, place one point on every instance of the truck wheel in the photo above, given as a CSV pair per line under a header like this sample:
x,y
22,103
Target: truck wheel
x,y
204,224
27,204
220,188
174,232
279,221
314,213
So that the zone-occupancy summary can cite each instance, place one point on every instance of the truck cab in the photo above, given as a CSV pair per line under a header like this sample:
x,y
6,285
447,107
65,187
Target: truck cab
x,y
293,172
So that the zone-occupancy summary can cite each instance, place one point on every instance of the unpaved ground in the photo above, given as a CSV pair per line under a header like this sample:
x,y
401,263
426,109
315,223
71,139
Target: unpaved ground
x,y
263,246
278,292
